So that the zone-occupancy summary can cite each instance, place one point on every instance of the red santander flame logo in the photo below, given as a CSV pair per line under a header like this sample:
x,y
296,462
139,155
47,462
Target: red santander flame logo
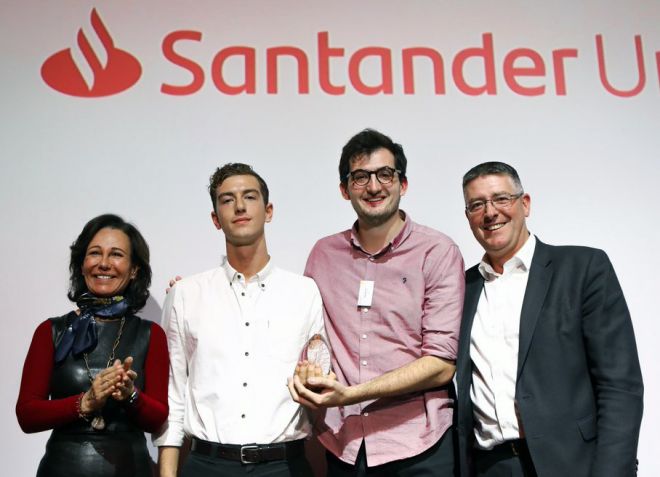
x,y
113,74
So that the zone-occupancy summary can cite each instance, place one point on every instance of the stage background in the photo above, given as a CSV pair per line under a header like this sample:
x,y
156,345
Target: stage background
x,y
585,144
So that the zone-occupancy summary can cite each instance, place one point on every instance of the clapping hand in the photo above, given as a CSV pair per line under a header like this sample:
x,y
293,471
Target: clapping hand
x,y
125,386
104,385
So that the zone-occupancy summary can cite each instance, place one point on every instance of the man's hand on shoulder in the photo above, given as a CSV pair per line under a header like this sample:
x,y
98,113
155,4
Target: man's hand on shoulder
x,y
172,283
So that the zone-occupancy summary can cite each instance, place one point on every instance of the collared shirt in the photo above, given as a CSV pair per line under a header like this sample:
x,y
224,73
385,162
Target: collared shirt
x,y
232,346
415,311
494,348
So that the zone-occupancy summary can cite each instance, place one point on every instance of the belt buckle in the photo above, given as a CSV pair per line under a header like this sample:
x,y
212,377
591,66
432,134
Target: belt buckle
x,y
244,459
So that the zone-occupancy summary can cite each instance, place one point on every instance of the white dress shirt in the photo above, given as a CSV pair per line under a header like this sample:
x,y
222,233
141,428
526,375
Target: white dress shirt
x,y
494,348
232,346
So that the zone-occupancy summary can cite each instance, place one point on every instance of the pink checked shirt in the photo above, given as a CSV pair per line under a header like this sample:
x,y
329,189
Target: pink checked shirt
x,y
416,311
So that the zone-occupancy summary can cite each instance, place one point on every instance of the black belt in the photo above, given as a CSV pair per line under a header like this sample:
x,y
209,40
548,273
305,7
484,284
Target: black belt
x,y
509,448
249,453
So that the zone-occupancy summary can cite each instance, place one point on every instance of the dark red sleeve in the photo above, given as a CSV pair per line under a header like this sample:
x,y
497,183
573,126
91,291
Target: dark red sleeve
x,y
151,409
34,410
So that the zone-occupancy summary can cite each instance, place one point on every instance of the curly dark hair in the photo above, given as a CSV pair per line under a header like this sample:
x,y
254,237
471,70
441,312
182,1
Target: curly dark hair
x,y
137,291
367,142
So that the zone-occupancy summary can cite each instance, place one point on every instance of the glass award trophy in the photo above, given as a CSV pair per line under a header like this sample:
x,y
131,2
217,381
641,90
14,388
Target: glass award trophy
x,y
316,351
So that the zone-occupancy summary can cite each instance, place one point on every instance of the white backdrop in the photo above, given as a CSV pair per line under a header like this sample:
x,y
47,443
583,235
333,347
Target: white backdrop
x,y
587,154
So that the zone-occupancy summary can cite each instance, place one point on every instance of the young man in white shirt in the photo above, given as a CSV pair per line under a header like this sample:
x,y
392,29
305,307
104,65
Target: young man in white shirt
x,y
235,332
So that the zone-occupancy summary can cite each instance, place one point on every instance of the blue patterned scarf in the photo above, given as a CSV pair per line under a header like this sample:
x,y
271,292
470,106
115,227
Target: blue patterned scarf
x,y
81,336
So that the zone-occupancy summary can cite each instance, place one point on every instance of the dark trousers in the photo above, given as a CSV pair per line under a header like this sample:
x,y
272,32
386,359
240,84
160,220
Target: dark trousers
x,y
436,461
199,465
505,460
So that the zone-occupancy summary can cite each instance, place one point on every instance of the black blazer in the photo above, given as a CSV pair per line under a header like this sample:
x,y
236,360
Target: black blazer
x,y
579,385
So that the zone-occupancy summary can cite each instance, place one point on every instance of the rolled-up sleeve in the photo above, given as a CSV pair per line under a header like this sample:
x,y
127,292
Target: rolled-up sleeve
x,y
443,301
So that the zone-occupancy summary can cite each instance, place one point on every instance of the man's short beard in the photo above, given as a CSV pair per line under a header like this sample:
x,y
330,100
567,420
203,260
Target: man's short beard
x,y
378,219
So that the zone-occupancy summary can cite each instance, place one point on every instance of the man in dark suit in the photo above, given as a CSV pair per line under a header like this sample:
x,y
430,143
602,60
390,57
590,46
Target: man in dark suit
x,y
549,383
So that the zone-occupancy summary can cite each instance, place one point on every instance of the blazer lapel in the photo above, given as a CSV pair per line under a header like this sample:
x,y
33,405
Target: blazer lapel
x,y
540,275
473,285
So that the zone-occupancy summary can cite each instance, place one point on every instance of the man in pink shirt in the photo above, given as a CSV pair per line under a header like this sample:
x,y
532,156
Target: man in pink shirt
x,y
393,297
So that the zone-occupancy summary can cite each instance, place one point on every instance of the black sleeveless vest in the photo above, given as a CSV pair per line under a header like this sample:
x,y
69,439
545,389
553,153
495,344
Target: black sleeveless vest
x,y
78,450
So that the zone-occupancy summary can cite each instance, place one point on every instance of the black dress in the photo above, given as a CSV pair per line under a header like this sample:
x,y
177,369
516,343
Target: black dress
x,y
78,450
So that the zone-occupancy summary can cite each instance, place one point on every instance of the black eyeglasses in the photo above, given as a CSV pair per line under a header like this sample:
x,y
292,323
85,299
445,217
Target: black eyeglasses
x,y
500,202
361,177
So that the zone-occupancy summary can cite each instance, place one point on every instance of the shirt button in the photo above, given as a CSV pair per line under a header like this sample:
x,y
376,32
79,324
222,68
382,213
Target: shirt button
x,y
365,309
242,293
244,384
364,337
242,416
263,286
247,354
239,276
247,323
364,362
365,414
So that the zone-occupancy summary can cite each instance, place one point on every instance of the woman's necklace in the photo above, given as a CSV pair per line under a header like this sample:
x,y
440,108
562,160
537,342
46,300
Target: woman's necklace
x,y
98,423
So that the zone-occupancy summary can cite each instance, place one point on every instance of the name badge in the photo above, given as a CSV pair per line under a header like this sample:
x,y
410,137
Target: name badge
x,y
366,293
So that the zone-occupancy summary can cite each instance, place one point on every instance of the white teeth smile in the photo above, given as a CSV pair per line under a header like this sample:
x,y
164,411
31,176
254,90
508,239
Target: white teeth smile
x,y
490,228
104,277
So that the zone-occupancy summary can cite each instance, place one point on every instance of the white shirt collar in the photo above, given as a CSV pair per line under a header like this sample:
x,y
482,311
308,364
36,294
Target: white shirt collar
x,y
522,260
235,276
